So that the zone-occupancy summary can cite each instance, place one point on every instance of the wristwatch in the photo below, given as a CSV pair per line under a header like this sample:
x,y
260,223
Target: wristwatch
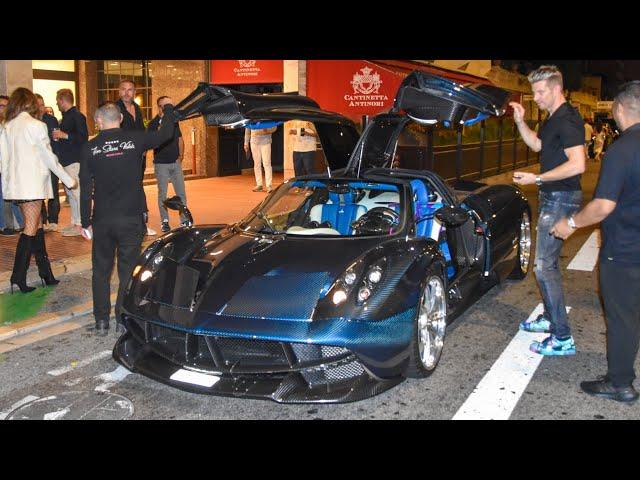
x,y
571,222
538,180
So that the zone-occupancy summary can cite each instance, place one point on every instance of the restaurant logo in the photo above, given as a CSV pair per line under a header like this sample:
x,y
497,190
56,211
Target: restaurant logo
x,y
366,86
247,69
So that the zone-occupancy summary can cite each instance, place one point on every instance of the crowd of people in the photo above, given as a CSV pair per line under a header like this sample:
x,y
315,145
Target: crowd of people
x,y
37,152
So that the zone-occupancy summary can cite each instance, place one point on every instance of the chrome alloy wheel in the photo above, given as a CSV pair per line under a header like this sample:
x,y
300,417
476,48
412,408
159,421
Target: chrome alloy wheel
x,y
525,242
432,321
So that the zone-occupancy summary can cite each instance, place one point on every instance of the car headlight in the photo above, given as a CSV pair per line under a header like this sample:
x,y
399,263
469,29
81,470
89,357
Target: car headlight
x,y
344,285
371,280
151,260
347,282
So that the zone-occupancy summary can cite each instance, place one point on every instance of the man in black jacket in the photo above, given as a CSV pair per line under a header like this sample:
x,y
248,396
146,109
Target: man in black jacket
x,y
71,138
616,203
132,119
111,168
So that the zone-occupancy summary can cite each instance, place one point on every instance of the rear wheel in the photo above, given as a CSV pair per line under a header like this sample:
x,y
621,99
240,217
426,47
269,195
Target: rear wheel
x,y
524,248
428,328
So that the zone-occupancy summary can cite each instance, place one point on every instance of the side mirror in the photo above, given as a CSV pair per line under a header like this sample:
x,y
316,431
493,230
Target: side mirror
x,y
452,216
174,203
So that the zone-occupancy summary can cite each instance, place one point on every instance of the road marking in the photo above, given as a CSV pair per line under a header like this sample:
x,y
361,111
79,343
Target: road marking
x,y
82,363
112,378
56,415
497,394
587,256
24,401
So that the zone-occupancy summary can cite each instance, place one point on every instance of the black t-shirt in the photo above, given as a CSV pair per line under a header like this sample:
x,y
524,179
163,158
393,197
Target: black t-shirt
x,y
128,123
167,152
110,167
620,182
563,129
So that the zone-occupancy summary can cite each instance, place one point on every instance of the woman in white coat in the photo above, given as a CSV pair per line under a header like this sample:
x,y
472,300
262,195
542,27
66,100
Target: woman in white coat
x,y
26,159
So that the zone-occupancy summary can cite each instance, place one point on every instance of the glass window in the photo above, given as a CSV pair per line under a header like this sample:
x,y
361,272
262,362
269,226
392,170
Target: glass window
x,y
112,72
320,208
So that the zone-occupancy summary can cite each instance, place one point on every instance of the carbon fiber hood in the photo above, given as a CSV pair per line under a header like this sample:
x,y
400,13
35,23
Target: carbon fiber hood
x,y
242,275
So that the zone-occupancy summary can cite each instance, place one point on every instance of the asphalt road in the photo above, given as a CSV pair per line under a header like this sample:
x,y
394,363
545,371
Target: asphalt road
x,y
72,375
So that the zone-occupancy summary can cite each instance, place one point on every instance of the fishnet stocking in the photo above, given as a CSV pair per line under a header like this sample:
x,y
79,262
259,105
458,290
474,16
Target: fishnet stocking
x,y
32,216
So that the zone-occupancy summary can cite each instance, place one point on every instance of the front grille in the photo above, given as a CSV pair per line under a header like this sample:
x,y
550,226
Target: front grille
x,y
235,355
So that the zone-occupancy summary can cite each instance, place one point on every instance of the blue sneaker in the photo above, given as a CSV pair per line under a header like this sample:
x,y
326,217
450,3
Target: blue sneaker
x,y
552,346
539,325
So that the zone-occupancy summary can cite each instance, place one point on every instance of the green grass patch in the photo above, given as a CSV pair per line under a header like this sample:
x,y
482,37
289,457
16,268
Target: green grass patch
x,y
21,306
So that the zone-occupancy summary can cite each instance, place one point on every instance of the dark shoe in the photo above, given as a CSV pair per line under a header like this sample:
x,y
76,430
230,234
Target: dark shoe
x,y
21,264
42,260
101,328
603,388
165,227
8,232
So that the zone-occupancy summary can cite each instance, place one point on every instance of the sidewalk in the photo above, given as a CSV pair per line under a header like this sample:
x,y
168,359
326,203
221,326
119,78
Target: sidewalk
x,y
211,200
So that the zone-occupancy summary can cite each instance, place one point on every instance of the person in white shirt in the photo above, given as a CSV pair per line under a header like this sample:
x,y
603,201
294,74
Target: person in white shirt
x,y
26,159
260,141
304,147
588,134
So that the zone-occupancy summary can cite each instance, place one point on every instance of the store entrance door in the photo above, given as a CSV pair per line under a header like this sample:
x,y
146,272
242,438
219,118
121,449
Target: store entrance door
x,y
231,142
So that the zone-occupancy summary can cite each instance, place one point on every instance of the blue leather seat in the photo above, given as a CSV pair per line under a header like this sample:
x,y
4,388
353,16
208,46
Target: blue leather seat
x,y
340,211
423,208
424,212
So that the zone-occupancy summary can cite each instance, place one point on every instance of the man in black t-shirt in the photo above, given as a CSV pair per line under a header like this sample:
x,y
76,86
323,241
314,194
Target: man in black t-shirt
x,y
111,169
167,164
616,203
560,141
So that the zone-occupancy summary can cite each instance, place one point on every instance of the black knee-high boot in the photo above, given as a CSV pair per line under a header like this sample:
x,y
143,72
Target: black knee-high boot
x,y
21,264
42,259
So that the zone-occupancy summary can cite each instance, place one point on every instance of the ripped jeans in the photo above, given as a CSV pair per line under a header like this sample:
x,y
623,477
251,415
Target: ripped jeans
x,y
553,206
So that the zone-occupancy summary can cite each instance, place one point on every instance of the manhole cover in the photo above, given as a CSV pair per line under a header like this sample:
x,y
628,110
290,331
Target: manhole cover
x,y
76,406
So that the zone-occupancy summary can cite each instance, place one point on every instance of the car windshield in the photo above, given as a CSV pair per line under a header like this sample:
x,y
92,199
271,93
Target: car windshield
x,y
330,208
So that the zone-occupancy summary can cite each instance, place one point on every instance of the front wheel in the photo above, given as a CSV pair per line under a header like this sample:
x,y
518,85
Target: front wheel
x,y
524,248
428,328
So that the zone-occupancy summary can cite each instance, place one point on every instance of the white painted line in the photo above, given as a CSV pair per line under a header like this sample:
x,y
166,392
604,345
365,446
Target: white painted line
x,y
497,394
24,401
56,415
587,256
82,363
112,378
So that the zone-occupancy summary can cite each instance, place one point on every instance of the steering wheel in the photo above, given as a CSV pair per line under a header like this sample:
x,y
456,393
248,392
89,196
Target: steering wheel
x,y
377,220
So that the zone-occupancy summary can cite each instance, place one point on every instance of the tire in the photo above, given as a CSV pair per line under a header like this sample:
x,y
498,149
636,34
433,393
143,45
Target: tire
x,y
429,325
523,259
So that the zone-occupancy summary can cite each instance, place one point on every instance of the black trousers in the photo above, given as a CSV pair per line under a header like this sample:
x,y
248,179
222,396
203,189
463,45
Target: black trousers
x,y
620,288
53,204
122,237
303,163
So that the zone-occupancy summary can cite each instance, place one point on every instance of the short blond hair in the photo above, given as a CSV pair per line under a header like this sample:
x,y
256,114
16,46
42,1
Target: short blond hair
x,y
550,73
66,94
